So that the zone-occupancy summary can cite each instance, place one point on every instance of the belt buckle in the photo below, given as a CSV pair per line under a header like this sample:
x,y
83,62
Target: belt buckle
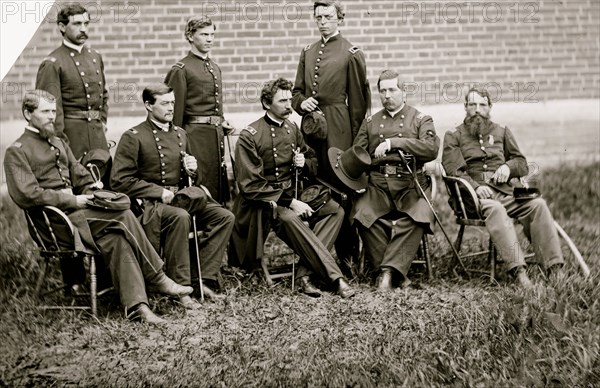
x,y
390,170
215,120
94,114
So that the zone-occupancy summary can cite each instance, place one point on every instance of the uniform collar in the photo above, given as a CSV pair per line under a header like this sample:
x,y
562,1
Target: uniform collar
x,y
394,113
271,121
332,37
197,55
163,127
32,129
73,46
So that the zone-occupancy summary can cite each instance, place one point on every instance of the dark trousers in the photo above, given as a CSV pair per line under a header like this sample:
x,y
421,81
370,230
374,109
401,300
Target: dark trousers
x,y
127,252
313,247
392,242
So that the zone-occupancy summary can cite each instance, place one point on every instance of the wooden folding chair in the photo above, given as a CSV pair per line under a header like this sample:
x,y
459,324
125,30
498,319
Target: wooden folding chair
x,y
53,232
467,209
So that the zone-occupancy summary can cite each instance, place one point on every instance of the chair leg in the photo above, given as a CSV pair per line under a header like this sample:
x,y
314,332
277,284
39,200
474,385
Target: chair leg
x,y
93,285
41,277
492,260
265,268
459,238
425,252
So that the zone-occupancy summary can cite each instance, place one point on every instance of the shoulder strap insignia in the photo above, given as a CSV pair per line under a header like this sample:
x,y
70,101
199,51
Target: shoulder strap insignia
x,y
420,116
51,59
134,131
250,129
369,119
17,144
353,50
307,47
180,65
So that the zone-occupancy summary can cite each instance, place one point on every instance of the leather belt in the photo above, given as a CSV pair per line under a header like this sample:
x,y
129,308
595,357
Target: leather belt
x,y
82,115
282,185
172,189
215,120
394,170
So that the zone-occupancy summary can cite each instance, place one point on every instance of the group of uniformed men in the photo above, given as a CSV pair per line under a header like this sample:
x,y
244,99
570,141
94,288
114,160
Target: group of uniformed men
x,y
181,143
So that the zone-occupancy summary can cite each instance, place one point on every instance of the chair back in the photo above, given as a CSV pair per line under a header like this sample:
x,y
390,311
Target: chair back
x,y
463,201
51,230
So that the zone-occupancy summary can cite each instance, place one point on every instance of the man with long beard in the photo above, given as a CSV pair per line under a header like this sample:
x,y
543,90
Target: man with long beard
x,y
488,157
41,170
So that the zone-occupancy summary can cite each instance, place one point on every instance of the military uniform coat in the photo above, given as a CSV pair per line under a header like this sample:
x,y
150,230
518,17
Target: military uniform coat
x,y
335,74
264,155
77,81
45,172
412,132
149,159
197,84
476,159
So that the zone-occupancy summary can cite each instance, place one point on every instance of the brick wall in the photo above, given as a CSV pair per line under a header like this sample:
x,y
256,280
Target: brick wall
x,y
524,51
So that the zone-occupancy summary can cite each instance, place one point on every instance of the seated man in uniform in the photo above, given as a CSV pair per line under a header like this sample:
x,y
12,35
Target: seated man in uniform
x,y
391,214
41,170
267,153
151,162
488,157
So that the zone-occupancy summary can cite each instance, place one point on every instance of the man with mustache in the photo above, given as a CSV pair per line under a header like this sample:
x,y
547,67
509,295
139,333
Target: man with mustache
x,y
332,77
42,170
152,164
267,154
197,83
391,215
74,74
488,157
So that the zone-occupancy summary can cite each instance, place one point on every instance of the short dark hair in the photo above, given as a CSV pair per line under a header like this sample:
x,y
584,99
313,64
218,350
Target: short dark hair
x,y
151,91
389,74
270,88
69,10
31,100
195,23
328,3
481,91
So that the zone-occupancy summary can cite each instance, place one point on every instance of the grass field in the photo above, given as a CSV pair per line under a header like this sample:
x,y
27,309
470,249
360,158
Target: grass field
x,y
448,331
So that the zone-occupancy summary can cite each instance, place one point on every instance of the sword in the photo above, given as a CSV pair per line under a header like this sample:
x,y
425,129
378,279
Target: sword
x,y
437,218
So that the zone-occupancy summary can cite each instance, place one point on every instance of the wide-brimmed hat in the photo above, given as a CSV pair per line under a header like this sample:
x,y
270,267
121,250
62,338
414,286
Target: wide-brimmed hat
x,y
350,166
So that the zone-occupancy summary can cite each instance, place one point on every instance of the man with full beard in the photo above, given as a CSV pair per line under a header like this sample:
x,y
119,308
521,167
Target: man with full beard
x,y
41,170
488,157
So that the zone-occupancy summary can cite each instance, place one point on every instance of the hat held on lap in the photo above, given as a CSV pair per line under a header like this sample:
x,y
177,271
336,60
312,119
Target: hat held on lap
x,y
350,166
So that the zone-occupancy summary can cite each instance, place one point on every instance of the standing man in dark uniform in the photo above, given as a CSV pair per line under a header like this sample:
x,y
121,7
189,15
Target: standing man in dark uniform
x,y
487,156
41,170
150,165
197,83
391,214
267,154
74,74
332,77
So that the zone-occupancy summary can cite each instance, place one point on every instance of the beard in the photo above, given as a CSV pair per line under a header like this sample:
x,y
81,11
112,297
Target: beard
x,y
478,125
47,132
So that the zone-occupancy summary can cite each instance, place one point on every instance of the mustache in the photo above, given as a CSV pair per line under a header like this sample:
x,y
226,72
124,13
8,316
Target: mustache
x,y
82,35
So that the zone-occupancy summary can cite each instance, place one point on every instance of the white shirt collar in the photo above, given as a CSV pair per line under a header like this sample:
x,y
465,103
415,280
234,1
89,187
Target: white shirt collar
x,y
32,129
394,113
325,40
279,122
164,126
73,46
